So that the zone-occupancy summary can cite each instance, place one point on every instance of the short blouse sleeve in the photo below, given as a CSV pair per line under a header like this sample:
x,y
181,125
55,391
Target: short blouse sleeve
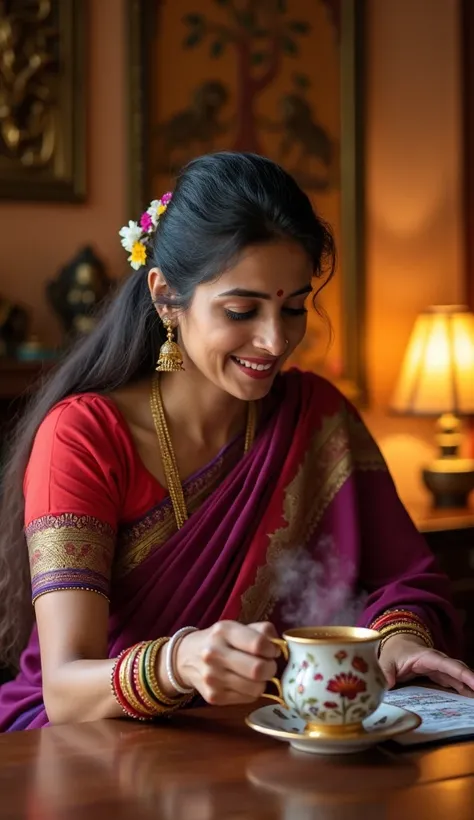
x,y
73,490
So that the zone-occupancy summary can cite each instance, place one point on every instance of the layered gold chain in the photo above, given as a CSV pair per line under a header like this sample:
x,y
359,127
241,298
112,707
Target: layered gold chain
x,y
175,488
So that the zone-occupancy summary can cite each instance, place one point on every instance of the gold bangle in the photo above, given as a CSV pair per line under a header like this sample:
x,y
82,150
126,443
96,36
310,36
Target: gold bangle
x,y
126,683
425,638
140,684
407,626
408,621
158,694
403,622
160,707
402,631
117,690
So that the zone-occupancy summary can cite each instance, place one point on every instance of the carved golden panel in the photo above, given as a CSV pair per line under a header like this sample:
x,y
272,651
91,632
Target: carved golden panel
x,y
42,100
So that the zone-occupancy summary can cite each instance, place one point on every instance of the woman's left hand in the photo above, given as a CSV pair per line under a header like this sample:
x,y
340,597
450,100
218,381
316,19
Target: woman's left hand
x,y
405,656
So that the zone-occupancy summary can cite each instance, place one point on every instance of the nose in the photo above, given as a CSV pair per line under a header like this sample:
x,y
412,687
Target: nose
x,y
271,338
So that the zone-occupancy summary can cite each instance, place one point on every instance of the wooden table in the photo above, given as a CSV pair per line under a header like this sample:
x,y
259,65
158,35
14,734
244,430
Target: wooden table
x,y
206,764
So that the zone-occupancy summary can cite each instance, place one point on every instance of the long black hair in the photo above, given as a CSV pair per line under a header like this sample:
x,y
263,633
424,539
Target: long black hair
x,y
222,203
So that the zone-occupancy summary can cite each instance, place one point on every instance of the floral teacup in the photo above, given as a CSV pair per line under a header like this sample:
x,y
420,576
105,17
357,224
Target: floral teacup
x,y
333,679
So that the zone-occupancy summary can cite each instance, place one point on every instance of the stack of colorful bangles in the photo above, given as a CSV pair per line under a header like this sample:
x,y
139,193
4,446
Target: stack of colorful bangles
x,y
401,622
135,684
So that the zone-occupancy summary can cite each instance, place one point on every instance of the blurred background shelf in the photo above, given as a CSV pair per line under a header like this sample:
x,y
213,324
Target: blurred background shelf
x,y
17,378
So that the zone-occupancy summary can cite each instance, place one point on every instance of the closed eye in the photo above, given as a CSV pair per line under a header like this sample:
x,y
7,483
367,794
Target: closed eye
x,y
238,317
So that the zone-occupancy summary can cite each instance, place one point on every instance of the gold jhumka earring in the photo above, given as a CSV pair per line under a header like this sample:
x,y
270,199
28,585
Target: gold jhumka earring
x,y
170,359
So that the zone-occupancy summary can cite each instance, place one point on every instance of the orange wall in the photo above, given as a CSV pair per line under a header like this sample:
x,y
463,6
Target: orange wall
x,y
413,173
413,195
414,219
37,239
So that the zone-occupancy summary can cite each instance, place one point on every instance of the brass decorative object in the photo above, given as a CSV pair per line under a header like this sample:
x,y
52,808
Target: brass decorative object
x,y
42,100
77,291
14,324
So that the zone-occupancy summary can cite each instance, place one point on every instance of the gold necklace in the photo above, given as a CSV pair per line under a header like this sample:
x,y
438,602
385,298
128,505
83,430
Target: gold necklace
x,y
175,488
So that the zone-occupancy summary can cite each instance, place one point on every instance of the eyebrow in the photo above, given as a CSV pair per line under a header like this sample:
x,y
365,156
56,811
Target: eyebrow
x,y
257,294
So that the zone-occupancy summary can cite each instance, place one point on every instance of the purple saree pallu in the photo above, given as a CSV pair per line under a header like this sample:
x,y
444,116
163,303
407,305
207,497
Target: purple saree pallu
x,y
314,483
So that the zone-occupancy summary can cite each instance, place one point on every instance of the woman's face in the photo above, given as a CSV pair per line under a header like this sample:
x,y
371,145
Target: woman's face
x,y
241,328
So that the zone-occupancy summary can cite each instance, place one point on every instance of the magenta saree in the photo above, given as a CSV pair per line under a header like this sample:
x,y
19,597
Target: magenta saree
x,y
313,485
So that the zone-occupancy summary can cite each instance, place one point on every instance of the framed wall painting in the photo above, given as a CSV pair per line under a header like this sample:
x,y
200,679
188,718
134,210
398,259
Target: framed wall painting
x,y
42,100
282,78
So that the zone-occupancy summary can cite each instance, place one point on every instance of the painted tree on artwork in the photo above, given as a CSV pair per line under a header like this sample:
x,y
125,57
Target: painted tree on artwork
x,y
262,34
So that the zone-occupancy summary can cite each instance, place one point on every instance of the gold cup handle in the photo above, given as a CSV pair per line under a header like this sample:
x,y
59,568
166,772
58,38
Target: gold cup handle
x,y
282,644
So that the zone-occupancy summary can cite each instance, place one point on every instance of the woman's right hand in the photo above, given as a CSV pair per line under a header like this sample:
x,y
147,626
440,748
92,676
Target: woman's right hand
x,y
229,662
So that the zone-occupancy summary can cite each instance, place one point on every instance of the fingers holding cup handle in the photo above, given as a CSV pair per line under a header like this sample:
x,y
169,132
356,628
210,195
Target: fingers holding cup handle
x,y
282,644
278,698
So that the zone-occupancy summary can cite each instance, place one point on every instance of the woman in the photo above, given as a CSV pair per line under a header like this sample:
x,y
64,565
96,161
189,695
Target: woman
x,y
159,506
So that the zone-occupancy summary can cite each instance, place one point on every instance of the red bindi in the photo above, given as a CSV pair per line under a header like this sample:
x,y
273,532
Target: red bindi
x,y
279,293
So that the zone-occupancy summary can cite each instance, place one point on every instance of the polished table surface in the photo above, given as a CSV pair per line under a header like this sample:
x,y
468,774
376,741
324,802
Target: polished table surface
x,y
206,764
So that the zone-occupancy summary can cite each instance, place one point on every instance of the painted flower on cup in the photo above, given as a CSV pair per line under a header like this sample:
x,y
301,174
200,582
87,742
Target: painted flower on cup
x,y
360,664
330,704
347,685
318,676
341,655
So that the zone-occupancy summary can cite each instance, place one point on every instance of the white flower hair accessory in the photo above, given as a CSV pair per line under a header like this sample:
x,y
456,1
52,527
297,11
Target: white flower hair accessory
x,y
135,237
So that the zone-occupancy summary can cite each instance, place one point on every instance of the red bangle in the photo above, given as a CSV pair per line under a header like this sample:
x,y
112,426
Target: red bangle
x,y
395,615
117,690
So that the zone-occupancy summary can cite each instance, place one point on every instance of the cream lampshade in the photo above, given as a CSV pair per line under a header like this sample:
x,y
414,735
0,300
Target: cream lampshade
x,y
437,379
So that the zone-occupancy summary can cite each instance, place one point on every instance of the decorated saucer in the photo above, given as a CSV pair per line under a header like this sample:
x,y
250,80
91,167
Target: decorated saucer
x,y
284,724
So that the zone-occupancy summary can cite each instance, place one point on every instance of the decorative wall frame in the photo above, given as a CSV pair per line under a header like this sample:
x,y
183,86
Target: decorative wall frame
x,y
42,100
279,77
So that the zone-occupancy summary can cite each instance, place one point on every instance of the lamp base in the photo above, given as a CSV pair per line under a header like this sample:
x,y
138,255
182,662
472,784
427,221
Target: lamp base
x,y
450,480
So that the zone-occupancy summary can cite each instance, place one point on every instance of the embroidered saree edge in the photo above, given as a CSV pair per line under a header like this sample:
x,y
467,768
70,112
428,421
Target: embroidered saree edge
x,y
341,446
70,551
137,541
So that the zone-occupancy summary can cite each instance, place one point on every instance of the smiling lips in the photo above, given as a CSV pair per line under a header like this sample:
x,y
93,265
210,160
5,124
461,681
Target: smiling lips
x,y
256,368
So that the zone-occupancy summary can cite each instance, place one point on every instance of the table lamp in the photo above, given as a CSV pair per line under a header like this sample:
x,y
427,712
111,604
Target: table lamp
x,y
437,379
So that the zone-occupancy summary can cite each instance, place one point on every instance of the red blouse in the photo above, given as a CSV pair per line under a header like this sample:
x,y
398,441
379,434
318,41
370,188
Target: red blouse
x,y
84,479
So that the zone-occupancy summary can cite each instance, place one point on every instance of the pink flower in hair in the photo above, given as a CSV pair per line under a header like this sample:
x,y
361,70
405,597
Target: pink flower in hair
x,y
135,237
146,222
